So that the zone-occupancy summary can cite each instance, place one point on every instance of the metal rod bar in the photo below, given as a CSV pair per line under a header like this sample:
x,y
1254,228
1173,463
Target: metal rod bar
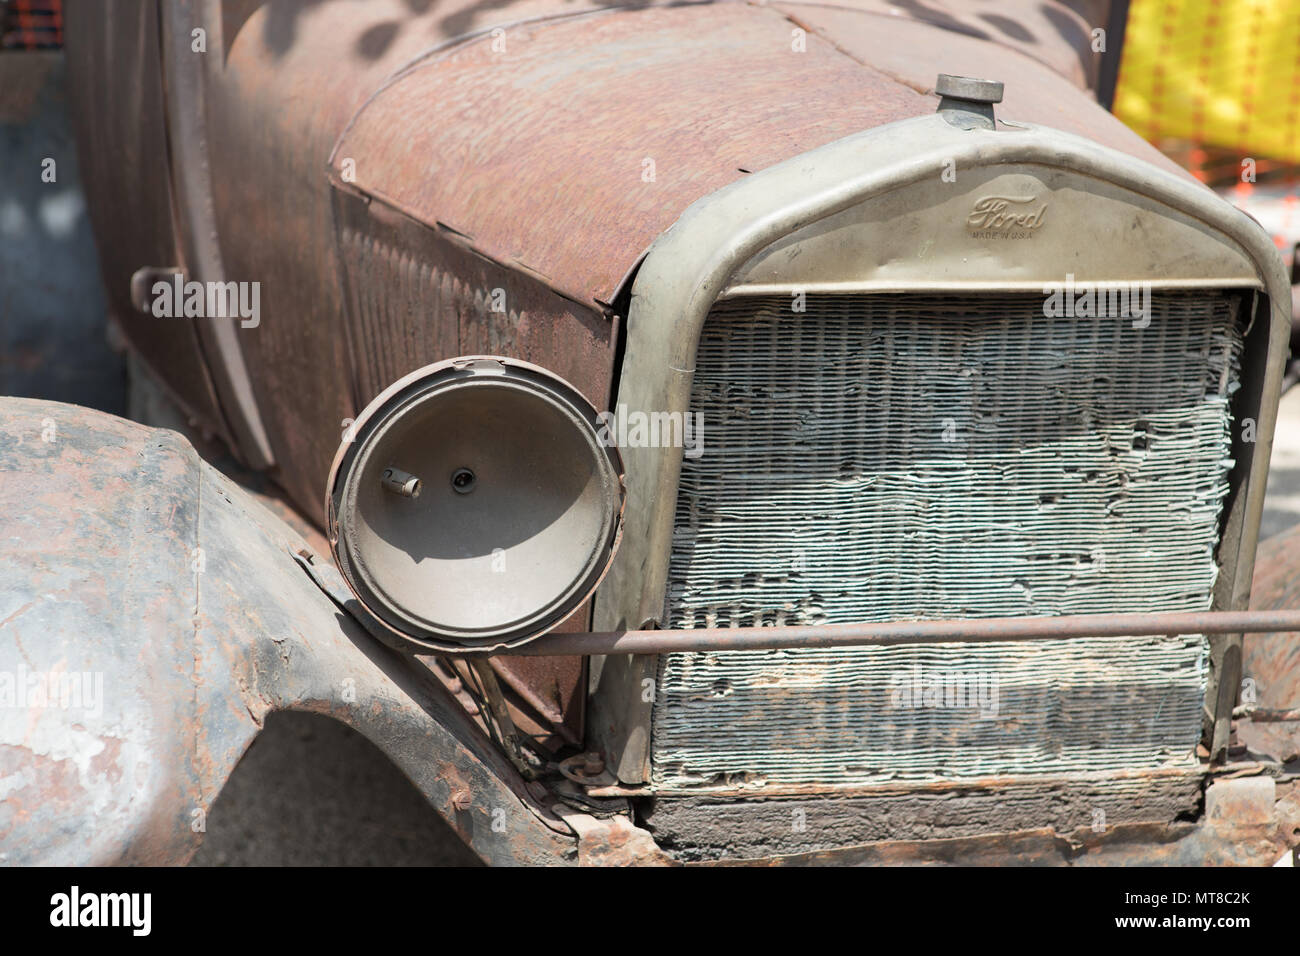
x,y
1261,715
916,632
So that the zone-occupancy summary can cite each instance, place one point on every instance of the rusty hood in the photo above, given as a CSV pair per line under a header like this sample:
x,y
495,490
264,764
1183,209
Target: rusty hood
x,y
563,147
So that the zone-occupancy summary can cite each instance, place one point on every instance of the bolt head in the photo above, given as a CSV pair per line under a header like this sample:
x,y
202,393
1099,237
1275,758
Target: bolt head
x,y
968,88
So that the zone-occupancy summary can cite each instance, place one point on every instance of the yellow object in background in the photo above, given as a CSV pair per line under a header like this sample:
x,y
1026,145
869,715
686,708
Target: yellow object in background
x,y
1222,73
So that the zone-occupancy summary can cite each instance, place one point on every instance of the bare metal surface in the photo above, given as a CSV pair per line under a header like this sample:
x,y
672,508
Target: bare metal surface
x,y
143,568
269,33
283,80
400,483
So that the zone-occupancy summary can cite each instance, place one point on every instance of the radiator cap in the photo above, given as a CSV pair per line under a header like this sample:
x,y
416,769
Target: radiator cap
x,y
475,506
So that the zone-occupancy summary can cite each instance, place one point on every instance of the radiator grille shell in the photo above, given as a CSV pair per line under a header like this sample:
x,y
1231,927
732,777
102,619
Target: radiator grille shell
x,y
922,456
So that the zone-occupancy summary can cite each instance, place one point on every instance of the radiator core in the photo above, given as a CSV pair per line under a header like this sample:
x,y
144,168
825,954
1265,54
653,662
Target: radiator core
x,y
924,456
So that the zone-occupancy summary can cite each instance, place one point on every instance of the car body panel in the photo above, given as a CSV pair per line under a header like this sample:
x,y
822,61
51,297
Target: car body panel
x,y
151,616
124,164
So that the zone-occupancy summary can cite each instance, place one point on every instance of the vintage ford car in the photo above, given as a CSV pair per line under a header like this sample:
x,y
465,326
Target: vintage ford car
x,y
786,432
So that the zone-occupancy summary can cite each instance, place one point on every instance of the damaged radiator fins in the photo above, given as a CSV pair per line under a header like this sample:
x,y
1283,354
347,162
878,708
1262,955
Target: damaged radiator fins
x,y
927,456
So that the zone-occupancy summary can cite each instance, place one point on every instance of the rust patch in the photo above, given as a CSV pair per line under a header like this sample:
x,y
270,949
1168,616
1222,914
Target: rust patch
x,y
625,120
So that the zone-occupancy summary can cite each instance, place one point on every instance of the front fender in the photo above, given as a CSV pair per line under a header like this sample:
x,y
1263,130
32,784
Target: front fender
x,y
152,614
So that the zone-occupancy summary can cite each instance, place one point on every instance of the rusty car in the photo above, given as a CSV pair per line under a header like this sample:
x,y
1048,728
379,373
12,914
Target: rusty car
x,y
769,432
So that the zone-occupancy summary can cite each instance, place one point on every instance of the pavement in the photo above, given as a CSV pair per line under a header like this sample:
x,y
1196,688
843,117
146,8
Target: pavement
x,y
312,792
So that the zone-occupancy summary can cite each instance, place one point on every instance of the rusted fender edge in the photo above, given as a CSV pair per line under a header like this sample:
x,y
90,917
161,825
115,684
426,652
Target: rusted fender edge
x,y
151,616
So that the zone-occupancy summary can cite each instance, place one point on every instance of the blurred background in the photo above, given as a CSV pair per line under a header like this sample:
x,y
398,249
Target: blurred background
x,y
1215,84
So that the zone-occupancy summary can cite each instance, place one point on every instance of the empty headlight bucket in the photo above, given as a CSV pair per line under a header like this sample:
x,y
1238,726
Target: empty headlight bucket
x,y
474,505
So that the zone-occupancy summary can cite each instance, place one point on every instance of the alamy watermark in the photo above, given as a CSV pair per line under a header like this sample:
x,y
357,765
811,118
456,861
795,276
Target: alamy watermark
x,y
636,429
175,298
1084,300
922,688
63,690
74,908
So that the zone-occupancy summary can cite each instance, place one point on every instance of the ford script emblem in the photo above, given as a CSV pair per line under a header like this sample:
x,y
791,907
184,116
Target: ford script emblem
x,y
1006,217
